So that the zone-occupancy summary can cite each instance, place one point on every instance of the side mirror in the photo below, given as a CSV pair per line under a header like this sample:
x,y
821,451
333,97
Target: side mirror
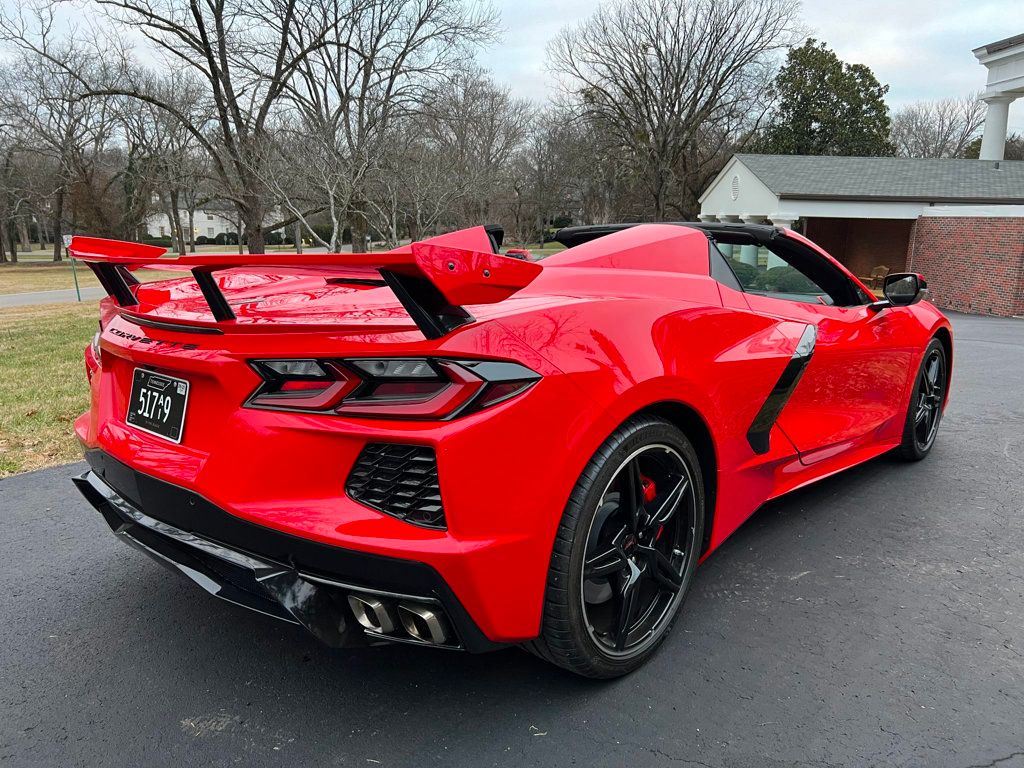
x,y
904,288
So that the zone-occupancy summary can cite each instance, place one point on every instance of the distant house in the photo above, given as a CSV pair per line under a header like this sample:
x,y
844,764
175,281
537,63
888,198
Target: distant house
x,y
209,221
958,222
214,218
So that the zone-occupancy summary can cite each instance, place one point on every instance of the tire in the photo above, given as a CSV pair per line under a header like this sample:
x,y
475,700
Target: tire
x,y
927,400
640,558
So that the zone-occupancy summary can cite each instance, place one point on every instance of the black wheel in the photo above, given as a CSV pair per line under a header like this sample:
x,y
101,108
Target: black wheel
x,y
625,552
926,402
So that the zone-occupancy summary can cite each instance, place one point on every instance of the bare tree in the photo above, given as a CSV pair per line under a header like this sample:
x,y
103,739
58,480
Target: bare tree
x,y
44,85
943,128
387,56
479,126
242,52
164,160
656,73
9,197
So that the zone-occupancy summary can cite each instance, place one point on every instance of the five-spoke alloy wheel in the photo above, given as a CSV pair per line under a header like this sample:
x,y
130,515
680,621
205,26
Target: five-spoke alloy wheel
x,y
927,401
626,550
637,550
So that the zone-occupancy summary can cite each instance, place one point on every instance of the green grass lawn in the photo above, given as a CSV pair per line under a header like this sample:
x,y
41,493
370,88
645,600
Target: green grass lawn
x,y
31,276
42,383
42,377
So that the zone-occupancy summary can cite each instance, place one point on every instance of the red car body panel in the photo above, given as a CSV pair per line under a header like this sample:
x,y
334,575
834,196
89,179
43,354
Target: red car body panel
x,y
627,322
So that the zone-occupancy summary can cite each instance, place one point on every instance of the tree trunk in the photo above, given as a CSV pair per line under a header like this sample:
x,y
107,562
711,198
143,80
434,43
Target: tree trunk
x,y
191,229
176,231
3,252
298,237
58,235
240,225
255,240
26,244
12,241
169,213
358,224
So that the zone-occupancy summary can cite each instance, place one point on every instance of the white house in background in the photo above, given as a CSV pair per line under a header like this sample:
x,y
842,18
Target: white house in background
x,y
960,222
208,221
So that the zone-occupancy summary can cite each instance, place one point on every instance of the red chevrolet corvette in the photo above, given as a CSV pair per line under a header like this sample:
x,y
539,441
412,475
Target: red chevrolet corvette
x,y
446,446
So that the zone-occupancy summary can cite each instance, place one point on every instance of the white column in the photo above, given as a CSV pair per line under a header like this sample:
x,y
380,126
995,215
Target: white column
x,y
993,143
783,221
727,249
748,253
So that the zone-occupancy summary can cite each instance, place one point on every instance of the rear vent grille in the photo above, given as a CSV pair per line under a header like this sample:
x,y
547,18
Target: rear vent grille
x,y
399,480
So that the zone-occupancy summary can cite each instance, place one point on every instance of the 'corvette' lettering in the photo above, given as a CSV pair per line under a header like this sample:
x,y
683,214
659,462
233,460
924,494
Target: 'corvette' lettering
x,y
156,342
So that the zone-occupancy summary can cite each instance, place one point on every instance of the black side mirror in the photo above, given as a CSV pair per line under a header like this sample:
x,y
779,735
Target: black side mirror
x,y
904,288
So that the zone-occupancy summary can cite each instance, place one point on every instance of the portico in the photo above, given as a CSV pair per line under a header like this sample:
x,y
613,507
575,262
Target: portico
x,y
888,214
1004,61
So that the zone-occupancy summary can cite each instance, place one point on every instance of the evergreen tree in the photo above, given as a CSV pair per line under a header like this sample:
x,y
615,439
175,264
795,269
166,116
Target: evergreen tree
x,y
827,107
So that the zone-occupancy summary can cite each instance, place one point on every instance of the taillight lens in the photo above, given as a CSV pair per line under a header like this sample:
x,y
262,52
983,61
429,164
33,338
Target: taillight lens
x,y
397,388
308,385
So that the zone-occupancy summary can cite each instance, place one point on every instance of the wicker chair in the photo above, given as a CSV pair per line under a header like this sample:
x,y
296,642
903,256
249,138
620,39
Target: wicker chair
x,y
877,277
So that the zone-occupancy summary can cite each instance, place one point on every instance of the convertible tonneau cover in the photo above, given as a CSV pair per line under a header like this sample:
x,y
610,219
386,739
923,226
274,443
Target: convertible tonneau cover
x,y
432,279
724,232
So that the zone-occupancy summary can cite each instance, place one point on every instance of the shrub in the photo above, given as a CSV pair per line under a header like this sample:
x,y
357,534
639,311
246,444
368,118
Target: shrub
x,y
202,240
785,280
747,274
226,238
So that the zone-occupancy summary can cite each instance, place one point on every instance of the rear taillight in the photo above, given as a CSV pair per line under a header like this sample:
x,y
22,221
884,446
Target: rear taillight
x,y
397,388
93,361
308,385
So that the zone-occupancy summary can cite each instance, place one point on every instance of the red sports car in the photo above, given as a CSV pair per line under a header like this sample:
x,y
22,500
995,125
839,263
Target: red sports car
x,y
447,446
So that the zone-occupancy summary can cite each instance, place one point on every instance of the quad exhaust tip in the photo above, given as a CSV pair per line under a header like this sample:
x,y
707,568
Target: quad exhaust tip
x,y
419,622
373,614
423,623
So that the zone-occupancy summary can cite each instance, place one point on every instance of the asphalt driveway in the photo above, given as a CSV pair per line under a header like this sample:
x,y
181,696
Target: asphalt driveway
x,y
874,619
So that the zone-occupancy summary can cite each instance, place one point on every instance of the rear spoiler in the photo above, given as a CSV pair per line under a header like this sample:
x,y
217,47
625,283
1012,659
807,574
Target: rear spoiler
x,y
432,280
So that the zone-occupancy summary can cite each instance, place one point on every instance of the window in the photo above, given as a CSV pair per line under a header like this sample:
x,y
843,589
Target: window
x,y
780,281
784,268
209,231
209,217
163,231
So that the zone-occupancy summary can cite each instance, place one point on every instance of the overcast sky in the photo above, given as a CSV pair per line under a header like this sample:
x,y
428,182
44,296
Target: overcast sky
x,y
920,48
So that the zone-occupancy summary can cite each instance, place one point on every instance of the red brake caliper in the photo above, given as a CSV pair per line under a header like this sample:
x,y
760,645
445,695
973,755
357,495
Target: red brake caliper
x,y
650,492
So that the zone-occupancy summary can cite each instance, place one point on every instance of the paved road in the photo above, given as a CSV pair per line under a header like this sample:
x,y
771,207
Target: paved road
x,y
93,293
59,296
875,619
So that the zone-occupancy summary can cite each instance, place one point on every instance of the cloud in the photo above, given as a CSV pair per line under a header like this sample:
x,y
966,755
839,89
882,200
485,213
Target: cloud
x,y
920,48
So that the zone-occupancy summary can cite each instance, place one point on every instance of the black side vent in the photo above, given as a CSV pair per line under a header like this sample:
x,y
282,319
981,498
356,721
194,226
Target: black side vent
x,y
399,480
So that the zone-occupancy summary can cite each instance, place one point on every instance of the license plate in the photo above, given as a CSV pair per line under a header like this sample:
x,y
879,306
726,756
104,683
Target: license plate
x,y
157,404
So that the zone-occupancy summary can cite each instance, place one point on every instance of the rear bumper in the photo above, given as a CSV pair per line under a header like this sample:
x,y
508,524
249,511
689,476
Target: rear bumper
x,y
289,578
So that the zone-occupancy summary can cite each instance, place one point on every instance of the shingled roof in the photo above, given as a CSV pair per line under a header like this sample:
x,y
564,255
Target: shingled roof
x,y
909,179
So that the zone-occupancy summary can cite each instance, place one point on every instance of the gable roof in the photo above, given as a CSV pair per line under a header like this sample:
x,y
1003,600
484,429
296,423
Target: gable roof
x,y
909,179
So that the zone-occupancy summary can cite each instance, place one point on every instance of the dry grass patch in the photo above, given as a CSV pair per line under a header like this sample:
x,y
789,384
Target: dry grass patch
x,y
42,383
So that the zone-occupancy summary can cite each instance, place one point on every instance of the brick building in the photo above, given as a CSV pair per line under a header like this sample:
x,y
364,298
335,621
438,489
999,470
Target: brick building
x,y
960,223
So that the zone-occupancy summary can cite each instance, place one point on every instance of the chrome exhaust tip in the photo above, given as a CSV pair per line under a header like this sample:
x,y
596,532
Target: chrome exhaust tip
x,y
373,614
423,623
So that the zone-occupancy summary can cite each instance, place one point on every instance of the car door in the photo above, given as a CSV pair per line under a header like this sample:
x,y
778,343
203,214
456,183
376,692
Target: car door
x,y
852,389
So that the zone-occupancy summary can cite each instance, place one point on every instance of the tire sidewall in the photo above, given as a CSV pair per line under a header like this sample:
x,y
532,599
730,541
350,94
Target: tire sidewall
x,y
586,499
910,447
